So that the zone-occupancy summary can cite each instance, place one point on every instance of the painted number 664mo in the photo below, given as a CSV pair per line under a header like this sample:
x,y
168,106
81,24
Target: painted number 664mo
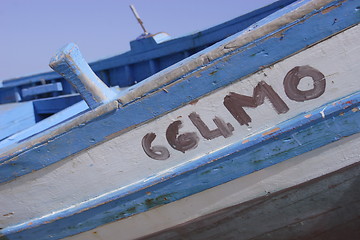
x,y
235,103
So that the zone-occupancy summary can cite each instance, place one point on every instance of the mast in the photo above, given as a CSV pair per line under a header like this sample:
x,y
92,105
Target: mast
x,y
138,19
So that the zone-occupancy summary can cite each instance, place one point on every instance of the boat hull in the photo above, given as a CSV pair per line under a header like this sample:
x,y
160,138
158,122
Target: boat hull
x,y
256,106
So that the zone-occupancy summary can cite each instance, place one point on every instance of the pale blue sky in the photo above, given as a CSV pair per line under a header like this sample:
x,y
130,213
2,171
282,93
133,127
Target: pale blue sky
x,y
32,30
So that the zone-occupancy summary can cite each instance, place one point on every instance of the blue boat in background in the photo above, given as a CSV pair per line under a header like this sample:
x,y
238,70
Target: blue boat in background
x,y
247,130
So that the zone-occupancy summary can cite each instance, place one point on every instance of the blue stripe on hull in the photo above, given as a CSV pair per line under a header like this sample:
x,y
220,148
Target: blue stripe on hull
x,y
294,137
246,60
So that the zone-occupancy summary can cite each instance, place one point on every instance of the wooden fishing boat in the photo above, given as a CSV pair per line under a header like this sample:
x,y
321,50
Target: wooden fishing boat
x,y
255,137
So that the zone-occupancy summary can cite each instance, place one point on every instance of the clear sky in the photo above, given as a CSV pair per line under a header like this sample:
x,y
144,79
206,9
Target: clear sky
x,y
31,31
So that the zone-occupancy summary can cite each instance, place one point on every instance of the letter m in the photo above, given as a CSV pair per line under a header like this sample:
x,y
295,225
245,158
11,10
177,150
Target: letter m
x,y
235,102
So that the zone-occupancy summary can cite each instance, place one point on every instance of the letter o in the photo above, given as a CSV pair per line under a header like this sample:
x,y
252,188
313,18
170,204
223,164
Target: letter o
x,y
293,78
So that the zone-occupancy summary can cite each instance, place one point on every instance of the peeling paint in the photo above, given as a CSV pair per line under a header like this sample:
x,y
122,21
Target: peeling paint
x,y
329,9
322,112
213,72
194,102
8,214
271,131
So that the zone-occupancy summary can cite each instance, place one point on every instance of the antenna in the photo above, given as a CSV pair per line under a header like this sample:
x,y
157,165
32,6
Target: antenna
x,y
138,19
